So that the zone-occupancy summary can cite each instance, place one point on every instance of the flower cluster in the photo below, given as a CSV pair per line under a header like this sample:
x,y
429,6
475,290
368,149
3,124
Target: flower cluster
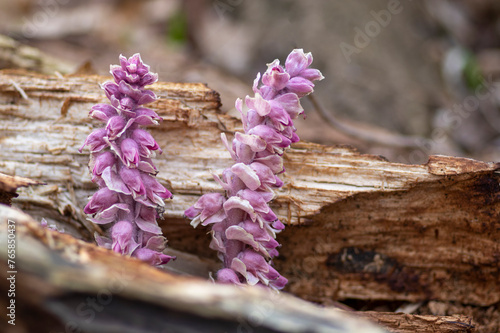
x,y
129,196
243,226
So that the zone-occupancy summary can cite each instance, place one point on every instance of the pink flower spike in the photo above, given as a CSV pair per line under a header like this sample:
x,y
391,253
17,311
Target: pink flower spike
x,y
244,231
129,198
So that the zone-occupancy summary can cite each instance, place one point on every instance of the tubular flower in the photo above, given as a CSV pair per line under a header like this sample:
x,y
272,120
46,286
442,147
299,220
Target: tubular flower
x,y
243,226
129,196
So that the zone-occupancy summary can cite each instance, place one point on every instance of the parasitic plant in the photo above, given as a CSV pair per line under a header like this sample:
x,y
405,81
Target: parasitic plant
x,y
129,197
243,226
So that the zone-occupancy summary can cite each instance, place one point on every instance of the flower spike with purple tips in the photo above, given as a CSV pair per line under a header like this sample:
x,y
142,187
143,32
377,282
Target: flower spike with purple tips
x,y
243,226
129,196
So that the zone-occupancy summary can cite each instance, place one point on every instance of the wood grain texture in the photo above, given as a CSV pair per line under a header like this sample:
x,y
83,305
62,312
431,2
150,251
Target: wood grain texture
x,y
403,323
358,225
64,284
9,186
438,239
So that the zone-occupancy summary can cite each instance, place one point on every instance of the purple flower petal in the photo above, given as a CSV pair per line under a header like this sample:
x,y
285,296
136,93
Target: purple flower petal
x,y
102,161
96,141
152,257
247,175
297,61
270,136
102,112
312,74
145,141
275,76
148,225
132,178
101,200
154,190
239,203
258,104
109,214
146,117
147,97
291,103
122,234
114,182
227,275
300,86
130,152
255,142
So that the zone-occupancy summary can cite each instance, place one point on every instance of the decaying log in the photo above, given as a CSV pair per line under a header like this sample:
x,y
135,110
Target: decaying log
x,y
66,285
434,239
359,226
402,323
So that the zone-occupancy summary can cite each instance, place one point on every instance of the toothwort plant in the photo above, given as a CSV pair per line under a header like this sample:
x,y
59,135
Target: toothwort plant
x,y
129,196
244,228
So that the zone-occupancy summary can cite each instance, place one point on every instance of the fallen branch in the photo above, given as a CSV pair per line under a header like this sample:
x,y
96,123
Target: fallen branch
x,y
65,284
381,137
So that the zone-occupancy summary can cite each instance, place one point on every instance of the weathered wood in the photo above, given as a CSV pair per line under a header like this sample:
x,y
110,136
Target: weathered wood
x,y
435,239
63,284
406,323
9,186
359,226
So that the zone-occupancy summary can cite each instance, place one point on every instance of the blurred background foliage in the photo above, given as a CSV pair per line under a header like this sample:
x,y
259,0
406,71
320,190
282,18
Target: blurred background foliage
x,y
404,79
